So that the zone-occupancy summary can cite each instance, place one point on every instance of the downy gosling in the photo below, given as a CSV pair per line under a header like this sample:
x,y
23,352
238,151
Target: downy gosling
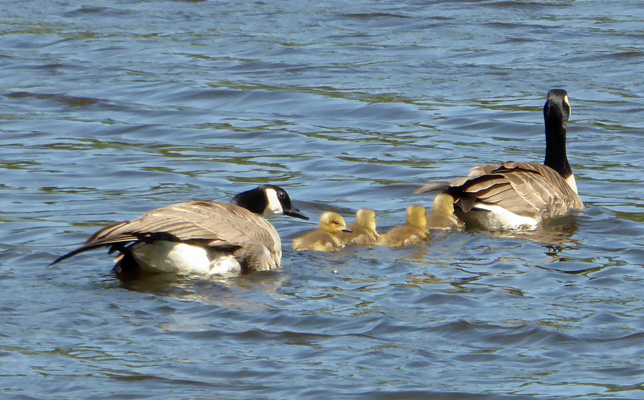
x,y
363,232
442,216
413,233
325,238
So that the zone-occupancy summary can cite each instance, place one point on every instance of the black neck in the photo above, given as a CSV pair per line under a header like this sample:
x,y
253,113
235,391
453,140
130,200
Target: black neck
x,y
556,155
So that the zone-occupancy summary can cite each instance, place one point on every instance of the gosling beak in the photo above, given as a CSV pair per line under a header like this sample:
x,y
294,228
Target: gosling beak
x,y
346,230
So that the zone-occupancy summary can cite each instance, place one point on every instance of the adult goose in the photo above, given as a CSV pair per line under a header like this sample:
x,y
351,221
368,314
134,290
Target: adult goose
x,y
199,237
519,195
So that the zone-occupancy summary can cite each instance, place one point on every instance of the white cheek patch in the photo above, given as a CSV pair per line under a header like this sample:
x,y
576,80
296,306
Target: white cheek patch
x,y
274,206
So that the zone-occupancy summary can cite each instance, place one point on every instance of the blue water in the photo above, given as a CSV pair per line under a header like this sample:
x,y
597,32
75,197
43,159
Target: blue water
x,y
110,109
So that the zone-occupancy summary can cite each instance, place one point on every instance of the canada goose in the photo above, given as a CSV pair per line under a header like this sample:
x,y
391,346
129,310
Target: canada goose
x,y
414,232
442,215
363,232
519,195
325,238
199,237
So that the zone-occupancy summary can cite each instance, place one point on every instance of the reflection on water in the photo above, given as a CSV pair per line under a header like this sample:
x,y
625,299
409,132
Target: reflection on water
x,y
225,292
111,110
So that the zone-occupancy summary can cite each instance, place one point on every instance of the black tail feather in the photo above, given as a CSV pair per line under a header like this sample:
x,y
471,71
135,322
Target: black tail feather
x,y
74,252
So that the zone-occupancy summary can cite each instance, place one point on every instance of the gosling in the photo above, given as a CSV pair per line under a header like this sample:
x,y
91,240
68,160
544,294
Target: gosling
x,y
442,216
325,238
363,232
408,235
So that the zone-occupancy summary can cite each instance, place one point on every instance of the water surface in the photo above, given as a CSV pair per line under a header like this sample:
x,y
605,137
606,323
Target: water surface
x,y
110,109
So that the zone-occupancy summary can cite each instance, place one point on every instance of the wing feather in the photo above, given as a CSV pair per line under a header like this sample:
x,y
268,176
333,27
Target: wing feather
x,y
526,189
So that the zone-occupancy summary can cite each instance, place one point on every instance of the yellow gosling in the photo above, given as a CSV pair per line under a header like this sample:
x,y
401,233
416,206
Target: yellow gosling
x,y
442,216
325,238
363,232
408,235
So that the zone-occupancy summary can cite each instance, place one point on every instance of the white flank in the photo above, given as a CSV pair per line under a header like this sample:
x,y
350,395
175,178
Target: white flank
x,y
274,206
572,183
179,258
498,218
224,265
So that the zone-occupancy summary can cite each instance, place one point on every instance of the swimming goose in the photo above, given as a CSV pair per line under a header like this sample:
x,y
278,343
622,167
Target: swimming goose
x,y
519,195
363,232
442,216
199,237
412,233
325,238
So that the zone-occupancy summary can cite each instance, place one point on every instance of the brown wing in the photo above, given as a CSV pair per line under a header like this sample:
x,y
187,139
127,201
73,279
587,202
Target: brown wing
x,y
216,224
526,189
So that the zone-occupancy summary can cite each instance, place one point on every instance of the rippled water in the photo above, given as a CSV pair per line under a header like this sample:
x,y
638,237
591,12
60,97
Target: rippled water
x,y
110,109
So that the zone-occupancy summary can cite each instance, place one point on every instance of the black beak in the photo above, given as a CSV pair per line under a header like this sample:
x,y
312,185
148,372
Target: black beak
x,y
347,230
294,212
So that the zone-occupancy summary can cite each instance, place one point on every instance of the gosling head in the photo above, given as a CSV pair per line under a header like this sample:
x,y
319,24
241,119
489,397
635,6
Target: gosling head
x,y
333,223
444,204
367,219
416,217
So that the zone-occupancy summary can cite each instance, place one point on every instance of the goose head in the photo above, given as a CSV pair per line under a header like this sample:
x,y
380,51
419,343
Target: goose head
x,y
268,200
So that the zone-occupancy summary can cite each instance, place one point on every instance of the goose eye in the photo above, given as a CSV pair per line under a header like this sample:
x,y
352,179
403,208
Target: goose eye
x,y
281,195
